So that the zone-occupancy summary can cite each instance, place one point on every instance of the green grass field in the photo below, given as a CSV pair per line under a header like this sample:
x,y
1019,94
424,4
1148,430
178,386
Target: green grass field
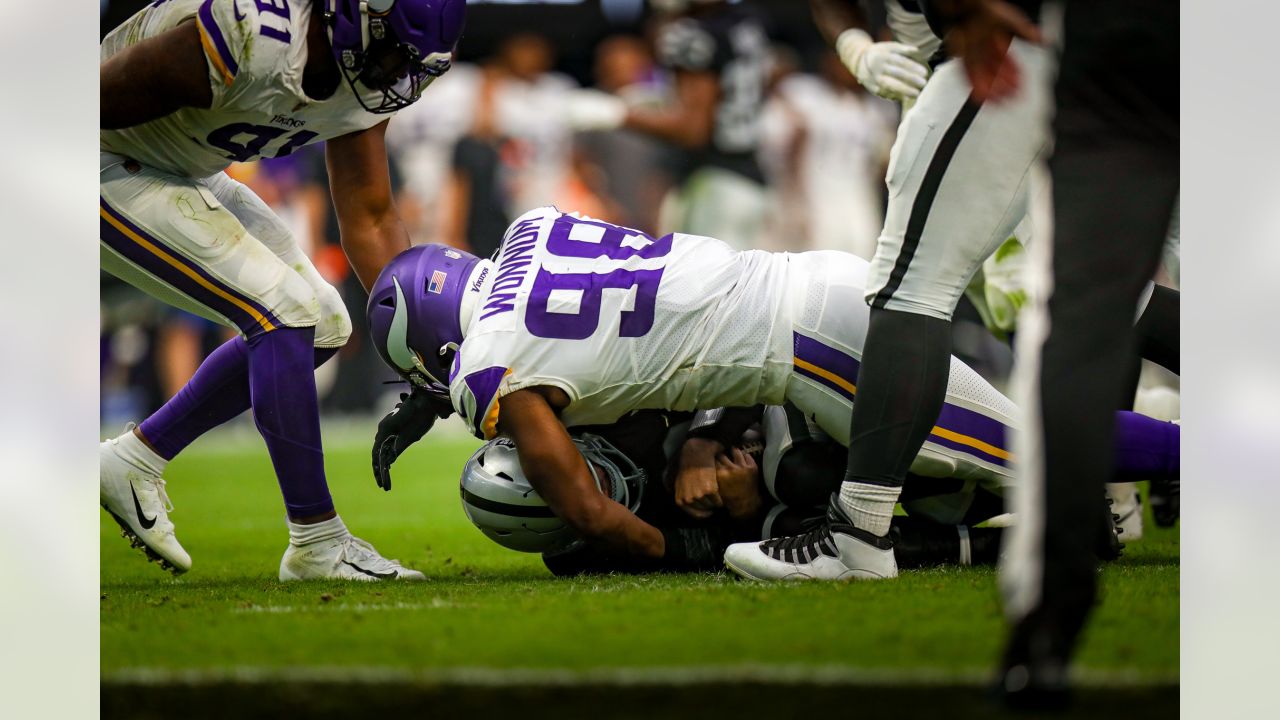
x,y
488,611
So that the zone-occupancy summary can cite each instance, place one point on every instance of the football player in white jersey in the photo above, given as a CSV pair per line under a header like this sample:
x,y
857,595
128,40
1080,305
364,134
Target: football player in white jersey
x,y
579,322
187,88
957,181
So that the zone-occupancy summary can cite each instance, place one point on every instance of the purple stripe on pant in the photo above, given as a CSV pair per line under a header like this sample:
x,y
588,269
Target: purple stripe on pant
x,y
165,270
969,423
954,418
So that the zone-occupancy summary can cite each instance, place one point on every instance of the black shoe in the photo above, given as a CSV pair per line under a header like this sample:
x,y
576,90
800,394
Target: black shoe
x,y
1163,495
1033,672
1109,546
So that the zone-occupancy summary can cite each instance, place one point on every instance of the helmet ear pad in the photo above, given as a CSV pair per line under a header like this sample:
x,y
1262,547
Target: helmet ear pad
x,y
415,311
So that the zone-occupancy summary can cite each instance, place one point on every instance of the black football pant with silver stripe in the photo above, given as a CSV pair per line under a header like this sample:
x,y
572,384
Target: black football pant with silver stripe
x,y
1115,182
958,186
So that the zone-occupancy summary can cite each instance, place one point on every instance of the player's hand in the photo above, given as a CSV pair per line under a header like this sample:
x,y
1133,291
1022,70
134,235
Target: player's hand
x,y
737,477
594,110
413,417
697,490
889,69
980,39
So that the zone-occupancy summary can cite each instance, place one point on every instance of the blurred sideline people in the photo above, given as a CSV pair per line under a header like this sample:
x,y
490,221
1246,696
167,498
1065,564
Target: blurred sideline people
x,y
718,54
497,143
631,171
827,140
1114,171
186,89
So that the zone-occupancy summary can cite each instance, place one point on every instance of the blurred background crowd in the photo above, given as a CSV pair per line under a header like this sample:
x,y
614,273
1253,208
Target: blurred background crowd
x,y
495,137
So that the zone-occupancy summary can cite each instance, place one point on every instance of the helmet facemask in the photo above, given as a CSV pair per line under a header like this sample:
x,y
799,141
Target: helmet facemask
x,y
369,52
622,481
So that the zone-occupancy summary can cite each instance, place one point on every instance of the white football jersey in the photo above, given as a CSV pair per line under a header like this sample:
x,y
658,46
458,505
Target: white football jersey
x,y
621,321
255,52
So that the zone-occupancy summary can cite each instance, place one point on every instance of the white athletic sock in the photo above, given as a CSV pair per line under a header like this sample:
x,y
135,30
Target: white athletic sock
x,y
316,532
966,548
137,453
869,506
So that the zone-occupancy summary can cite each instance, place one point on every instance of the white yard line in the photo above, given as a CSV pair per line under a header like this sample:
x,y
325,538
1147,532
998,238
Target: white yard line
x,y
664,676
434,604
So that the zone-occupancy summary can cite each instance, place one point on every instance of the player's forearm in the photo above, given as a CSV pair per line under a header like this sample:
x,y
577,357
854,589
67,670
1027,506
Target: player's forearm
x,y
601,521
835,16
371,244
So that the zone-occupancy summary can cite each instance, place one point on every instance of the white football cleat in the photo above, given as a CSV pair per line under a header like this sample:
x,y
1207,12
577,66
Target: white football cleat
x,y
341,558
1126,505
834,550
135,498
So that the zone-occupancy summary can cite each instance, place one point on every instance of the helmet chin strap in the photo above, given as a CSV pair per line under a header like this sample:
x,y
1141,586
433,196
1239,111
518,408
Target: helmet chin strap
x,y
471,295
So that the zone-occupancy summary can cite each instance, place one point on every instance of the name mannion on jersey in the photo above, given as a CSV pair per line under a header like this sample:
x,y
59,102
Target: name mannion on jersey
x,y
517,253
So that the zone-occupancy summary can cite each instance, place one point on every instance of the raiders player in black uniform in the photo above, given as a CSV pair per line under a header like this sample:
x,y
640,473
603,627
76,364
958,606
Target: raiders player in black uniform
x,y
775,471
772,487
958,186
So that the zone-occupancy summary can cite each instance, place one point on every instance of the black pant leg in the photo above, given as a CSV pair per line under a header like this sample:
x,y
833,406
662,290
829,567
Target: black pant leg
x,y
1115,182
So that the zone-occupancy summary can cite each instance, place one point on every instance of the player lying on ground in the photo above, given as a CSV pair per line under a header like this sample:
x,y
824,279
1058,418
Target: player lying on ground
x,y
188,87
580,322
770,480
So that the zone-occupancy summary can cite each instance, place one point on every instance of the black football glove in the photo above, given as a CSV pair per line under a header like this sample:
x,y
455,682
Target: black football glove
x,y
413,417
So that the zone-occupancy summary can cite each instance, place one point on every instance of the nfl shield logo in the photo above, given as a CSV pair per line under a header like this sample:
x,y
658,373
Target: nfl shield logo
x,y
437,282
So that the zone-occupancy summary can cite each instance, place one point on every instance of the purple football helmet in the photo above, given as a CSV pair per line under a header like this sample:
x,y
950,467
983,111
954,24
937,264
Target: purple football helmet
x,y
414,311
396,47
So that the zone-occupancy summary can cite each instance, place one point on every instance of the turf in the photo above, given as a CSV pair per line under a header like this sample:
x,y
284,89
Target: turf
x,y
486,607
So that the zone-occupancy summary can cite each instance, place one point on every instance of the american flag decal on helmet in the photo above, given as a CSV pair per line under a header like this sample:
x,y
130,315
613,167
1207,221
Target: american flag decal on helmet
x,y
436,285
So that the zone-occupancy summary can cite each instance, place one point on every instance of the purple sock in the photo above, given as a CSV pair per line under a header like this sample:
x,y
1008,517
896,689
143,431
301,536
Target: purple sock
x,y
218,392
1146,448
282,388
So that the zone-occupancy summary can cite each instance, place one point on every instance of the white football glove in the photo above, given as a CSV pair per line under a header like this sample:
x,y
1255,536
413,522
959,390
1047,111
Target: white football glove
x,y
594,110
888,69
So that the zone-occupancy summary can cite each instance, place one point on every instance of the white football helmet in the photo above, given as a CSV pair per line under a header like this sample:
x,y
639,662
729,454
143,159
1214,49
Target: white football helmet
x,y
499,500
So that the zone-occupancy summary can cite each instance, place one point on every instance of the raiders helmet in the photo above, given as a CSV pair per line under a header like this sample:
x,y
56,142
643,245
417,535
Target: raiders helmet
x,y
499,500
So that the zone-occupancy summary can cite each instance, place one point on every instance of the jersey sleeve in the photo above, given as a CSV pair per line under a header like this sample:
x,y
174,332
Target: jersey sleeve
x,y
244,41
686,45
477,389
476,397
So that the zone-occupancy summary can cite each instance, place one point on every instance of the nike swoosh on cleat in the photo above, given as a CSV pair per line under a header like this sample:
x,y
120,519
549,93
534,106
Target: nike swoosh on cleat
x,y
370,573
143,520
